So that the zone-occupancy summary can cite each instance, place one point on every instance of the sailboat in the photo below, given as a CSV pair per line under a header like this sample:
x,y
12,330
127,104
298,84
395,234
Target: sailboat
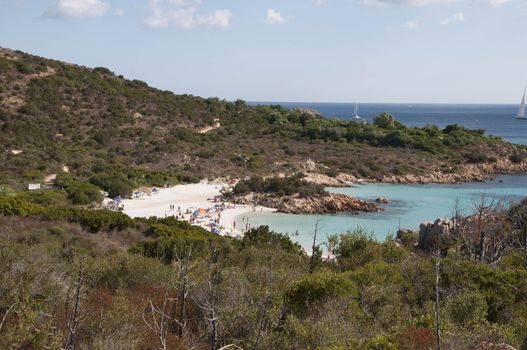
x,y
521,111
356,114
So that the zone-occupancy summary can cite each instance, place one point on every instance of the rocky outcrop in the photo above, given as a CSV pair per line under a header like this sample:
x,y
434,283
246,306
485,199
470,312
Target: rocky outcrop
x,y
465,173
320,204
331,203
382,200
341,180
429,232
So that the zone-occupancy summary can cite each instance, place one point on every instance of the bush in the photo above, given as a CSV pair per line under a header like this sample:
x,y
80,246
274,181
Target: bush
x,y
467,309
16,206
278,186
318,287
79,192
384,121
115,184
263,237
517,157
170,238
477,157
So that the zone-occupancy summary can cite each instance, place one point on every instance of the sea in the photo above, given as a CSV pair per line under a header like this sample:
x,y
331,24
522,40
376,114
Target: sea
x,y
410,205
496,119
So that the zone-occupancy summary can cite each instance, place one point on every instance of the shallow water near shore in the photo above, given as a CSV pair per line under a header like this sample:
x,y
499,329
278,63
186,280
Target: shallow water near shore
x,y
410,205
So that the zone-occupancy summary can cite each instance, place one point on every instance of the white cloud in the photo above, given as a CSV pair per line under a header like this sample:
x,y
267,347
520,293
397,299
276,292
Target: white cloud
x,y
413,24
119,12
67,9
320,2
497,3
220,18
413,3
457,17
183,13
275,17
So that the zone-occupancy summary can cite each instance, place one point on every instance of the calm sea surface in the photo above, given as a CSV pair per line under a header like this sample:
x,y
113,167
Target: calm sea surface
x,y
410,204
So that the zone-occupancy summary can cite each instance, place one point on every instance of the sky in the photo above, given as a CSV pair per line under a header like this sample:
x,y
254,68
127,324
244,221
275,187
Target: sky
x,y
402,51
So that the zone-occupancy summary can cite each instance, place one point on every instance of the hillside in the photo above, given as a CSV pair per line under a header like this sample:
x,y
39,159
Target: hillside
x,y
57,117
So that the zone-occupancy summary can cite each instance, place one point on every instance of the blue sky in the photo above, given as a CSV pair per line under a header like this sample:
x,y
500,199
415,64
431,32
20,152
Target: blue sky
x,y
450,51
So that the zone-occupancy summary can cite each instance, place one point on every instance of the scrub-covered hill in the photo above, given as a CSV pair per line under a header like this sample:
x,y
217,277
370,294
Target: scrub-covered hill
x,y
57,117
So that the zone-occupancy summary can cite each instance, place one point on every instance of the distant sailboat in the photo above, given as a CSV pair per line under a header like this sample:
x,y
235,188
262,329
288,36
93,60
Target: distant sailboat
x,y
521,111
356,114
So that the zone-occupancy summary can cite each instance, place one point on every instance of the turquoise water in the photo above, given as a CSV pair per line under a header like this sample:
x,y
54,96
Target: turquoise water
x,y
410,205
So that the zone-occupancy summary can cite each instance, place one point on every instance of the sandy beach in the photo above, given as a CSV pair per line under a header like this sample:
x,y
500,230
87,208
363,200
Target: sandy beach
x,y
196,204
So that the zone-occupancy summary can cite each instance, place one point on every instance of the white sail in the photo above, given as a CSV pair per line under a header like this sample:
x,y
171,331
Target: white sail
x,y
521,111
356,114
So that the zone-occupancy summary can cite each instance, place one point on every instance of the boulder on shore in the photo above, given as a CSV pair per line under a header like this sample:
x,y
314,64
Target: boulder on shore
x,y
382,200
429,232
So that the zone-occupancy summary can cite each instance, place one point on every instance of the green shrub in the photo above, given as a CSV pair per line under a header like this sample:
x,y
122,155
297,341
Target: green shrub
x,y
318,287
116,184
517,157
477,157
79,192
16,206
169,238
467,309
384,121
263,237
279,186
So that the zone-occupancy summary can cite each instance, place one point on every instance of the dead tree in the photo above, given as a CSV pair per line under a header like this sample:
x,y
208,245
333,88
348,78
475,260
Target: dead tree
x,y
262,317
179,314
208,306
159,320
74,319
315,250
437,306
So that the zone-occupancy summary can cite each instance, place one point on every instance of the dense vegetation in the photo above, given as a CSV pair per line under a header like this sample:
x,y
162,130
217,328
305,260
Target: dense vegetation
x,y
71,277
160,283
119,134
279,186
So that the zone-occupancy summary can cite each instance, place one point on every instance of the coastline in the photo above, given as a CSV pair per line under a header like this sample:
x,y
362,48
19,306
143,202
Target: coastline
x,y
466,173
184,200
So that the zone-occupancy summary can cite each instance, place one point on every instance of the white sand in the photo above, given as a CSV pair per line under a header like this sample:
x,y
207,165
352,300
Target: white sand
x,y
185,197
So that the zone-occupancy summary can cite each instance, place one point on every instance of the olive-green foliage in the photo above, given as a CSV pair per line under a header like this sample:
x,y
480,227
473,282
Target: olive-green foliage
x,y
79,192
383,302
6,191
144,136
385,121
169,239
358,248
50,198
116,184
16,206
263,237
93,220
128,271
30,284
278,186
318,287
467,309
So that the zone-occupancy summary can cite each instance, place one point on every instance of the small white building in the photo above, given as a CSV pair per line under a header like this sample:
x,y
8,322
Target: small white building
x,y
33,187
